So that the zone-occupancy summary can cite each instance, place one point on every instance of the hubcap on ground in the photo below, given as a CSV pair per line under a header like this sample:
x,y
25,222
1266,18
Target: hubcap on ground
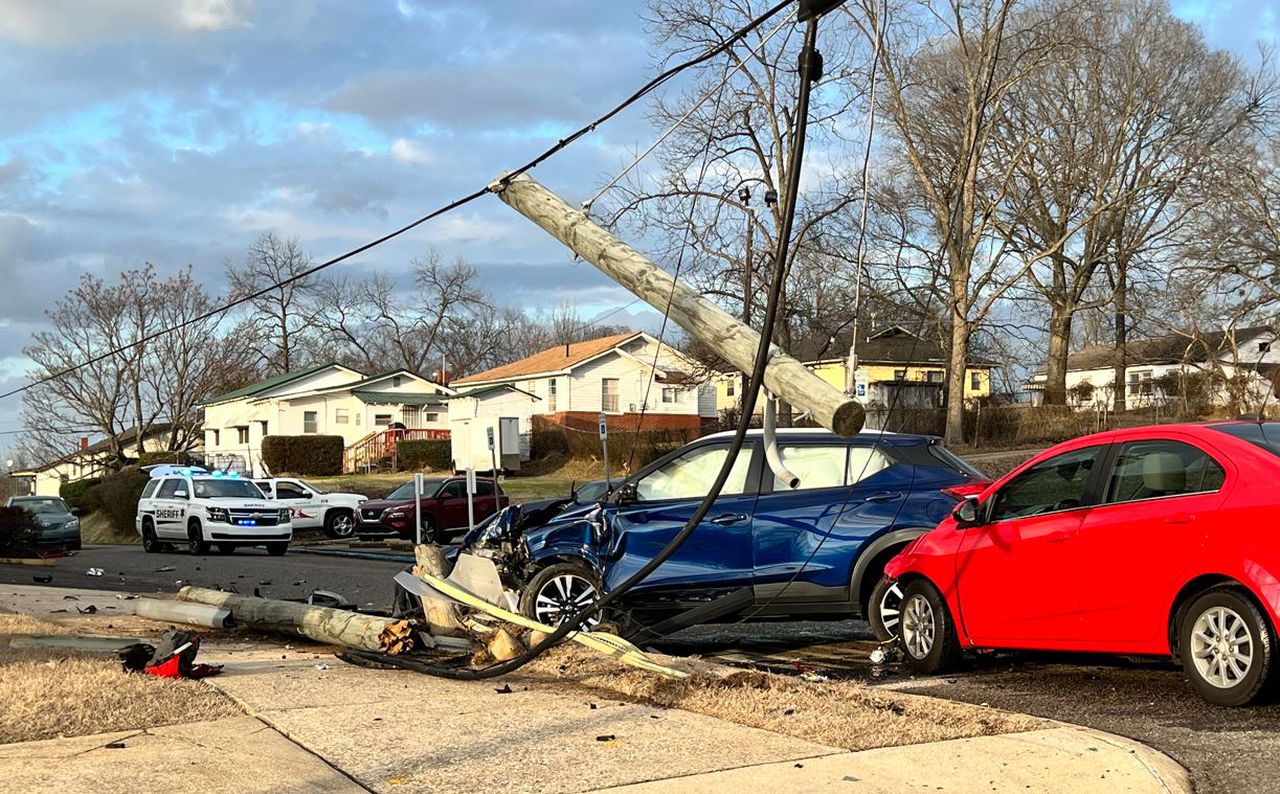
x,y
891,608
562,597
1222,647
918,626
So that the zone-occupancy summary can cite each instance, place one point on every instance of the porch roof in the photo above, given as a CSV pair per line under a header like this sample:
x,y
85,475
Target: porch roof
x,y
397,398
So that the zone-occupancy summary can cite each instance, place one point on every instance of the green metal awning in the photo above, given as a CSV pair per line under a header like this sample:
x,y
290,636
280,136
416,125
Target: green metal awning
x,y
398,398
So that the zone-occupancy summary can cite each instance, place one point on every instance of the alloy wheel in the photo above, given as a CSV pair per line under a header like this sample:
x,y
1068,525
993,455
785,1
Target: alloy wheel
x,y
891,608
562,597
1221,647
343,525
918,626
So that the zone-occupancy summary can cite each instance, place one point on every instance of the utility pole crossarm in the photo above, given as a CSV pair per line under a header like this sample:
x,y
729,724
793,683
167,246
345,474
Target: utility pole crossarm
x,y
705,321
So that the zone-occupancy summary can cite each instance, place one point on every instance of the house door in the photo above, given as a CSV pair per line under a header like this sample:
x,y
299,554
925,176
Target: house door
x,y
412,415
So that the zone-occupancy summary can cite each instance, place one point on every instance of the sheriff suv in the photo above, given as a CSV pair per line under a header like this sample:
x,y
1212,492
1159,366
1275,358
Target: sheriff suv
x,y
202,509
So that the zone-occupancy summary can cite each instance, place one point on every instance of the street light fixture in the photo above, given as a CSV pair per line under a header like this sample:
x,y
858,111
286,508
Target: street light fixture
x,y
771,198
744,194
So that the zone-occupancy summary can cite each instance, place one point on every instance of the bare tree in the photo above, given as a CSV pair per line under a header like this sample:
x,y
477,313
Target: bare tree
x,y
713,206
281,313
948,72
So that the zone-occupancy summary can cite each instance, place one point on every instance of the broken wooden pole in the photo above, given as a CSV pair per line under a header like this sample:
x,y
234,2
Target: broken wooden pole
x,y
441,615
322,624
735,341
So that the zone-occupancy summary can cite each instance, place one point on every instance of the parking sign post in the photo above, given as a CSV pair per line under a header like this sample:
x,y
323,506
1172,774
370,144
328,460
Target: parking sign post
x,y
493,455
418,486
604,442
471,492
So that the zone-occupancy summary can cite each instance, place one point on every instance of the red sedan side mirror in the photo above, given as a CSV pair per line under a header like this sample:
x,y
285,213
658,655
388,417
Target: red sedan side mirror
x,y
966,513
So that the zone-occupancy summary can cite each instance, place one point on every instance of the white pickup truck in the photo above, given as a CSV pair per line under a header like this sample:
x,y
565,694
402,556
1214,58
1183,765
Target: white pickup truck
x,y
200,509
311,507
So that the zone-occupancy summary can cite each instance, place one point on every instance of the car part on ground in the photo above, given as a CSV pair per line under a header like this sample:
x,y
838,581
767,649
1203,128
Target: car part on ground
x,y
1179,514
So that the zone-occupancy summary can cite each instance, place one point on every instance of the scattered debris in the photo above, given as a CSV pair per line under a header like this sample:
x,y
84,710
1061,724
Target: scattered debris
x,y
122,596
850,778
506,690
70,598
89,610
56,611
161,569
322,666
42,578
114,745
300,583
328,598
814,678
265,582
608,737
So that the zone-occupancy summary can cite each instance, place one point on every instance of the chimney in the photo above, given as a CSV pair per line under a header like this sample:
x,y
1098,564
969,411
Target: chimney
x,y
84,442
566,349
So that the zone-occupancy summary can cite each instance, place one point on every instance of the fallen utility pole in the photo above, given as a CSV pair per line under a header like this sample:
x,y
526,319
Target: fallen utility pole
x,y
322,624
708,323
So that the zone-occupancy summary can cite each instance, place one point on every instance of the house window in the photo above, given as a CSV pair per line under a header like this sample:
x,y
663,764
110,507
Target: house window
x,y
934,376
729,388
430,418
395,382
309,421
341,416
899,374
1140,383
242,434
359,418
551,395
216,438
263,422
1264,347
382,420
975,381
669,395
609,395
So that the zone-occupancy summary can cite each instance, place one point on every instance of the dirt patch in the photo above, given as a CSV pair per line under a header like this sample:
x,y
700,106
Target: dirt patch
x,y
51,692
844,714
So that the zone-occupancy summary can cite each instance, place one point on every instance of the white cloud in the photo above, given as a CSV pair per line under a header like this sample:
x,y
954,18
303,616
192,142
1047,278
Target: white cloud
x,y
412,152
84,21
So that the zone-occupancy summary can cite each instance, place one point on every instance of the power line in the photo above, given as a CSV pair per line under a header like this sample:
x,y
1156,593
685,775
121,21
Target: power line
x,y
556,148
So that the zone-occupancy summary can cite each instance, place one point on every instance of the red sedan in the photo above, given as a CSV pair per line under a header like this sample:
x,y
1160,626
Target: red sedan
x,y
1145,541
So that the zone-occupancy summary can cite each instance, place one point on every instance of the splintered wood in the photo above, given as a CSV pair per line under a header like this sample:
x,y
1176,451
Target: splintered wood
x,y
398,638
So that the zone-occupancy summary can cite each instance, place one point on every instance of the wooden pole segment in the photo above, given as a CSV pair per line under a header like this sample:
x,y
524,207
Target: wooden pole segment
x,y
322,624
700,317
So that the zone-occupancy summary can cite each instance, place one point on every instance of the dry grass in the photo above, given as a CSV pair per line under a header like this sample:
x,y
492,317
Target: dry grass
x,y
50,692
845,714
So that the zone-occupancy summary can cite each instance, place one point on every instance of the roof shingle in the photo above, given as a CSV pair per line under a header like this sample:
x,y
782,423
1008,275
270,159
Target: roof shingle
x,y
553,359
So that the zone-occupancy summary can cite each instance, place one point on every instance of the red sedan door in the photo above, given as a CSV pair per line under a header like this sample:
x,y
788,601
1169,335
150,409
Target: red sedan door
x,y
1016,573
1151,524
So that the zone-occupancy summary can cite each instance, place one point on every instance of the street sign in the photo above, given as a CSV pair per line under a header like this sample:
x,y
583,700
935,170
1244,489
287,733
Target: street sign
x,y
489,432
604,425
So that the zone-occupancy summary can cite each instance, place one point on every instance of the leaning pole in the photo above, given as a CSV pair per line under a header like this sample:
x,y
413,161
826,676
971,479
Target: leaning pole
x,y
732,339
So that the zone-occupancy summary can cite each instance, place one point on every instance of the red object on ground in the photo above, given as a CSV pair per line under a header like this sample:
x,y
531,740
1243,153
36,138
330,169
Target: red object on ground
x,y
166,669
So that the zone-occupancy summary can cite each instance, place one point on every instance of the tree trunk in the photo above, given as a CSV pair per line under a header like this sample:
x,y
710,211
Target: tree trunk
x,y
1055,380
956,367
1119,388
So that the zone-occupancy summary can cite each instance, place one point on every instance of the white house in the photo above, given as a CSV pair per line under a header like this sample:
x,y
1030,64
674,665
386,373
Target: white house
x,y
1247,357
635,380
369,412
89,460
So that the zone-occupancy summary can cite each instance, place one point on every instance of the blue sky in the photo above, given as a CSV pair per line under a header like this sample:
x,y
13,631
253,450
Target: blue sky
x,y
176,131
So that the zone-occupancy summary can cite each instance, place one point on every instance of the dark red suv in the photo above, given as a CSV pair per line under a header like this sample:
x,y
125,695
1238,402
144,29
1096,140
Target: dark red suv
x,y
444,509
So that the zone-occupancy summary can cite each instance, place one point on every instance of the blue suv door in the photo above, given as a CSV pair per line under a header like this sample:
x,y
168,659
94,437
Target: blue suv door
x,y
717,556
848,492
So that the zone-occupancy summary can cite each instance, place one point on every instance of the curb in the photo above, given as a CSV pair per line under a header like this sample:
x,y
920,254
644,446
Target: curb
x,y
359,555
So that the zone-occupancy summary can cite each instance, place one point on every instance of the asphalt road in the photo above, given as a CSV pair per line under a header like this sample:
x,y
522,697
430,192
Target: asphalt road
x,y
130,569
1225,749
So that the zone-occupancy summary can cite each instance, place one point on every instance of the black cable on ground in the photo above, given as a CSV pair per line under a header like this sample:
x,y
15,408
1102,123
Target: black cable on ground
x,y
556,148
809,63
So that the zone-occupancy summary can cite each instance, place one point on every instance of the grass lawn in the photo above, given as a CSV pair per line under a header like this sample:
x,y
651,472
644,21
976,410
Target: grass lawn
x,y
376,486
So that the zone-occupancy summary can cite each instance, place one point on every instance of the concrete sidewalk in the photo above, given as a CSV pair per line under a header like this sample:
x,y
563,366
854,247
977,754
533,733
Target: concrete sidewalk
x,y
400,731
317,724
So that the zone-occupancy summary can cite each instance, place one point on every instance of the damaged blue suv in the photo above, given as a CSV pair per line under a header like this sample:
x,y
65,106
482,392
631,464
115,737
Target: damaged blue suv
x,y
816,550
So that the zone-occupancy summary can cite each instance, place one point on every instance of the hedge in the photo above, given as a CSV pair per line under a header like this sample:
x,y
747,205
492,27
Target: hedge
x,y
306,456
73,492
116,497
176,458
425,454
19,532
